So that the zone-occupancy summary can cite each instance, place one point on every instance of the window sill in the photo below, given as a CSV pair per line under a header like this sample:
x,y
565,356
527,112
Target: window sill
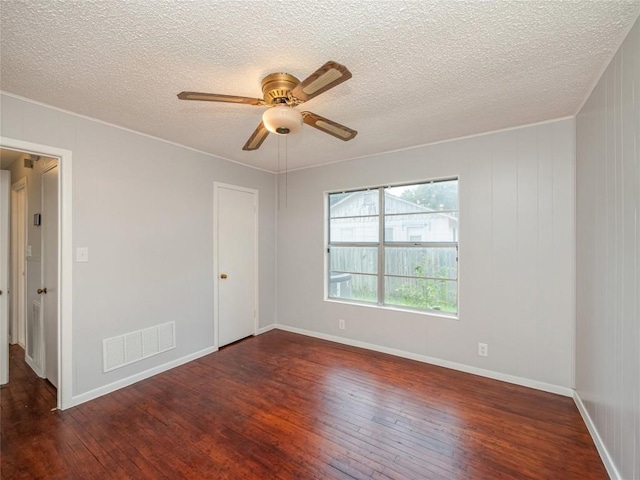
x,y
392,308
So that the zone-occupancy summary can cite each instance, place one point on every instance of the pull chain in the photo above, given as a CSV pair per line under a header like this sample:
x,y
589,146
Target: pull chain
x,y
278,175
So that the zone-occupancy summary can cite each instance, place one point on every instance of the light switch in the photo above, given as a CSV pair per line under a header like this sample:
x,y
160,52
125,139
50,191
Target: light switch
x,y
82,254
28,250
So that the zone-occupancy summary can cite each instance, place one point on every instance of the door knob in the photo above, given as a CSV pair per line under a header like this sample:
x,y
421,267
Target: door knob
x,y
42,290
223,276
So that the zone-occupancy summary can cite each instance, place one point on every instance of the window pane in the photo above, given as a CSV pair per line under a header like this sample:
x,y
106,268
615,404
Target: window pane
x,y
358,229
425,197
436,262
422,273
421,293
422,227
354,259
353,204
352,286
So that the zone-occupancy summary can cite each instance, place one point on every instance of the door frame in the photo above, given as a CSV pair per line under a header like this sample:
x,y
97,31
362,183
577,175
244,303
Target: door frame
x,y
65,260
19,284
216,273
50,165
5,222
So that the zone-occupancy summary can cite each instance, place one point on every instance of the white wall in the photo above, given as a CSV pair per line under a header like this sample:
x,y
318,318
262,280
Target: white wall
x,y
516,253
145,210
608,258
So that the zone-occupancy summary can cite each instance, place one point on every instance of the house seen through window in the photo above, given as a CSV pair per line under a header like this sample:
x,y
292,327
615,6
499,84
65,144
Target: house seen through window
x,y
395,246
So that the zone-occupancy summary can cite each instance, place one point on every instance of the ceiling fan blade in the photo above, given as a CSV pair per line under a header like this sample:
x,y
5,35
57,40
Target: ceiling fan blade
x,y
213,97
328,126
327,76
256,138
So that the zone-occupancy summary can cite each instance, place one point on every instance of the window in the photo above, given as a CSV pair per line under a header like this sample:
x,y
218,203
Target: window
x,y
395,246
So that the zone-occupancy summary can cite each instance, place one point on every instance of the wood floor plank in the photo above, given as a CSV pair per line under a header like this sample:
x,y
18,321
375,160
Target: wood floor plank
x,y
286,406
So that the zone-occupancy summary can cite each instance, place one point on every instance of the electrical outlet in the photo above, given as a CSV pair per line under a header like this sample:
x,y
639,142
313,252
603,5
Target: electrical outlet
x,y
341,324
483,349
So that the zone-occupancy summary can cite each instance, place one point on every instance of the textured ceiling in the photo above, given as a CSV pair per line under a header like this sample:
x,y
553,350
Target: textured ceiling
x,y
422,71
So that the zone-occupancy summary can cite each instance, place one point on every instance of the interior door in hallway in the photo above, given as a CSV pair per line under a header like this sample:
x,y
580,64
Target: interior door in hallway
x,y
236,254
50,272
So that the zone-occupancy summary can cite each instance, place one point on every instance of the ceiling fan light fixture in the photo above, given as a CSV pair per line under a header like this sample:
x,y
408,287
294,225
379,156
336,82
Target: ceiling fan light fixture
x,y
282,120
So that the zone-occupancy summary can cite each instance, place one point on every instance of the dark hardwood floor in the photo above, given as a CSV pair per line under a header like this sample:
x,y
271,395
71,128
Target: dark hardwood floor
x,y
287,406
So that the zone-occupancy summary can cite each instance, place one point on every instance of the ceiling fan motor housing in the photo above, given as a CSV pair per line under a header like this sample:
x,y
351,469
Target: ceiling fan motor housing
x,y
277,86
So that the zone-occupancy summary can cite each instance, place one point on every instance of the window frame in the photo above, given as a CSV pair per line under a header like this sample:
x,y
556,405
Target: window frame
x,y
382,244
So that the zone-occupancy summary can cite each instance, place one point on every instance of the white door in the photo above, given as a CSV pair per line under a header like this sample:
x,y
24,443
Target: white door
x,y
18,302
4,275
49,296
236,235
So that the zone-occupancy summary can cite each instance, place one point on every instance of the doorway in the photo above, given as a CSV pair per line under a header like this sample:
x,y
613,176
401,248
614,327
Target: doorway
x,y
235,262
59,164
33,320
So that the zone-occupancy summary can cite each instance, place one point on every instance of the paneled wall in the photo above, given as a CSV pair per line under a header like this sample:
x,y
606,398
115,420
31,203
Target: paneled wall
x,y
608,258
516,286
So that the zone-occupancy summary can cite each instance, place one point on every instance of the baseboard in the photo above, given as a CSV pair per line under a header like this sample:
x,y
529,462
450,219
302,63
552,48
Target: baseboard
x,y
597,439
266,329
525,382
125,382
33,366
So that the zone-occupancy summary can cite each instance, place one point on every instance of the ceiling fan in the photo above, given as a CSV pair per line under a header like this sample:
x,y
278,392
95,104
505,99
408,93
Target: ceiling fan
x,y
282,92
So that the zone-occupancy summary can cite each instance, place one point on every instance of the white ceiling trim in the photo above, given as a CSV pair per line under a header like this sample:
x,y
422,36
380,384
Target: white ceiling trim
x,y
482,134
35,102
97,120
605,66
